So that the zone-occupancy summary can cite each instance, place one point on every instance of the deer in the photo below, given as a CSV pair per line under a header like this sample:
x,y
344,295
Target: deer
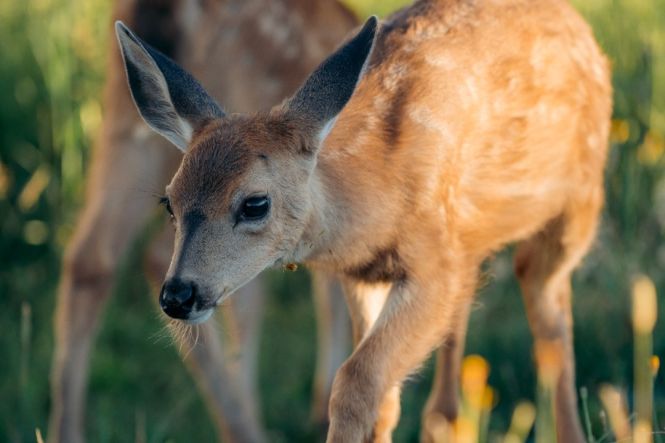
x,y
415,151
262,50
126,159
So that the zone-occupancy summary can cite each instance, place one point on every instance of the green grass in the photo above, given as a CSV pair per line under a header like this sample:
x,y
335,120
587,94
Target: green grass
x,y
50,77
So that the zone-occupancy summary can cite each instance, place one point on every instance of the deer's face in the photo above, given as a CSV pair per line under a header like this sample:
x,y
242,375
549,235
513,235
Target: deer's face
x,y
241,198
239,203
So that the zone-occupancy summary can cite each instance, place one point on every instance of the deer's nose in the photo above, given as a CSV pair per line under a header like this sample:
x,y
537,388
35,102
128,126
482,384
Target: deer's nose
x,y
177,298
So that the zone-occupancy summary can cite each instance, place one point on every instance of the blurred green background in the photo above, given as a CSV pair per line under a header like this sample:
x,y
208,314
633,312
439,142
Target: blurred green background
x,y
51,70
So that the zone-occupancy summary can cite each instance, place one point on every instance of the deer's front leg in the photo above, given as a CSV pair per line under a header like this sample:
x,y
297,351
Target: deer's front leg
x,y
416,317
365,303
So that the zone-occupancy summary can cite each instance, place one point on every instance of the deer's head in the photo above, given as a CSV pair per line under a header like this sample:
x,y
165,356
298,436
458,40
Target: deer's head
x,y
241,199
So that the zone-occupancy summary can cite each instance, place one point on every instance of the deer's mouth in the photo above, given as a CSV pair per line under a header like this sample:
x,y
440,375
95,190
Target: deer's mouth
x,y
203,310
199,317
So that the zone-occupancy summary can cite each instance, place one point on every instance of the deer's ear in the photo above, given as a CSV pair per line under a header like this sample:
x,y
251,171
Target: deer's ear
x,y
328,89
169,99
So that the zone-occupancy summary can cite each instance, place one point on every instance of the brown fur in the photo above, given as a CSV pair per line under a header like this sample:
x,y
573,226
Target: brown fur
x,y
228,147
238,49
384,266
156,21
503,175
470,130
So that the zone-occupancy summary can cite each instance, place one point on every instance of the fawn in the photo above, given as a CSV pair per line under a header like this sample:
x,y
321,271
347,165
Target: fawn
x,y
288,39
410,155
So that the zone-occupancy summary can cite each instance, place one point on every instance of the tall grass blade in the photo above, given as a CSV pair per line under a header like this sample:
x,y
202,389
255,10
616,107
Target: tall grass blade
x,y
644,319
584,396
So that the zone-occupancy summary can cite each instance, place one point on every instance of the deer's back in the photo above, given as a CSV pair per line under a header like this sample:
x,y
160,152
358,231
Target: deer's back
x,y
249,54
493,111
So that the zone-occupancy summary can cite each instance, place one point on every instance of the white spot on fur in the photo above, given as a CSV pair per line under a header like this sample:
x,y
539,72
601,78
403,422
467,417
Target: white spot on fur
x,y
394,75
471,88
442,62
276,23
359,143
425,117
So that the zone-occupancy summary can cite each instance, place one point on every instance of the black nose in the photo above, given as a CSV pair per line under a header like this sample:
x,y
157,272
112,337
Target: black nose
x,y
177,298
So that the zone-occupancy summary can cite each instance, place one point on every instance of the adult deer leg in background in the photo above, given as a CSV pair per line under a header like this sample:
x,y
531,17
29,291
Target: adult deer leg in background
x,y
275,61
115,211
333,340
128,166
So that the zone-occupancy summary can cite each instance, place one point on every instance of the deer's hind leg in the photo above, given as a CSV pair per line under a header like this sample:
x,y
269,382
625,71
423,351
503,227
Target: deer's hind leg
x,y
442,405
544,264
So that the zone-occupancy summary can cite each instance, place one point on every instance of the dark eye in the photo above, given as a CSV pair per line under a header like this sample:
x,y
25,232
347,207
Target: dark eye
x,y
167,204
254,208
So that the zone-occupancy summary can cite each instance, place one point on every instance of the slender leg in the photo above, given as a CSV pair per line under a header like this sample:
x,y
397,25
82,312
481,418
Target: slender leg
x,y
333,340
224,370
221,385
365,302
244,318
388,415
442,405
119,203
543,265
415,319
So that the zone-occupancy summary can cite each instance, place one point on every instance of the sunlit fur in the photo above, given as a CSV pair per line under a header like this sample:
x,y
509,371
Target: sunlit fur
x,y
476,125
499,115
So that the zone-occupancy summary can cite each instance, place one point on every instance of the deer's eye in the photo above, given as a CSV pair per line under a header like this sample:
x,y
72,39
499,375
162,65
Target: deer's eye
x,y
167,204
254,208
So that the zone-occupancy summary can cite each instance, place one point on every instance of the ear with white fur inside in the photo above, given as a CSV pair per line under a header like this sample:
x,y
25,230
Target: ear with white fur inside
x,y
168,98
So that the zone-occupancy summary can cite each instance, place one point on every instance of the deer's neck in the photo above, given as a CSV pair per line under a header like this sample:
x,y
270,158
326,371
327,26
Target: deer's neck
x,y
377,159
355,208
